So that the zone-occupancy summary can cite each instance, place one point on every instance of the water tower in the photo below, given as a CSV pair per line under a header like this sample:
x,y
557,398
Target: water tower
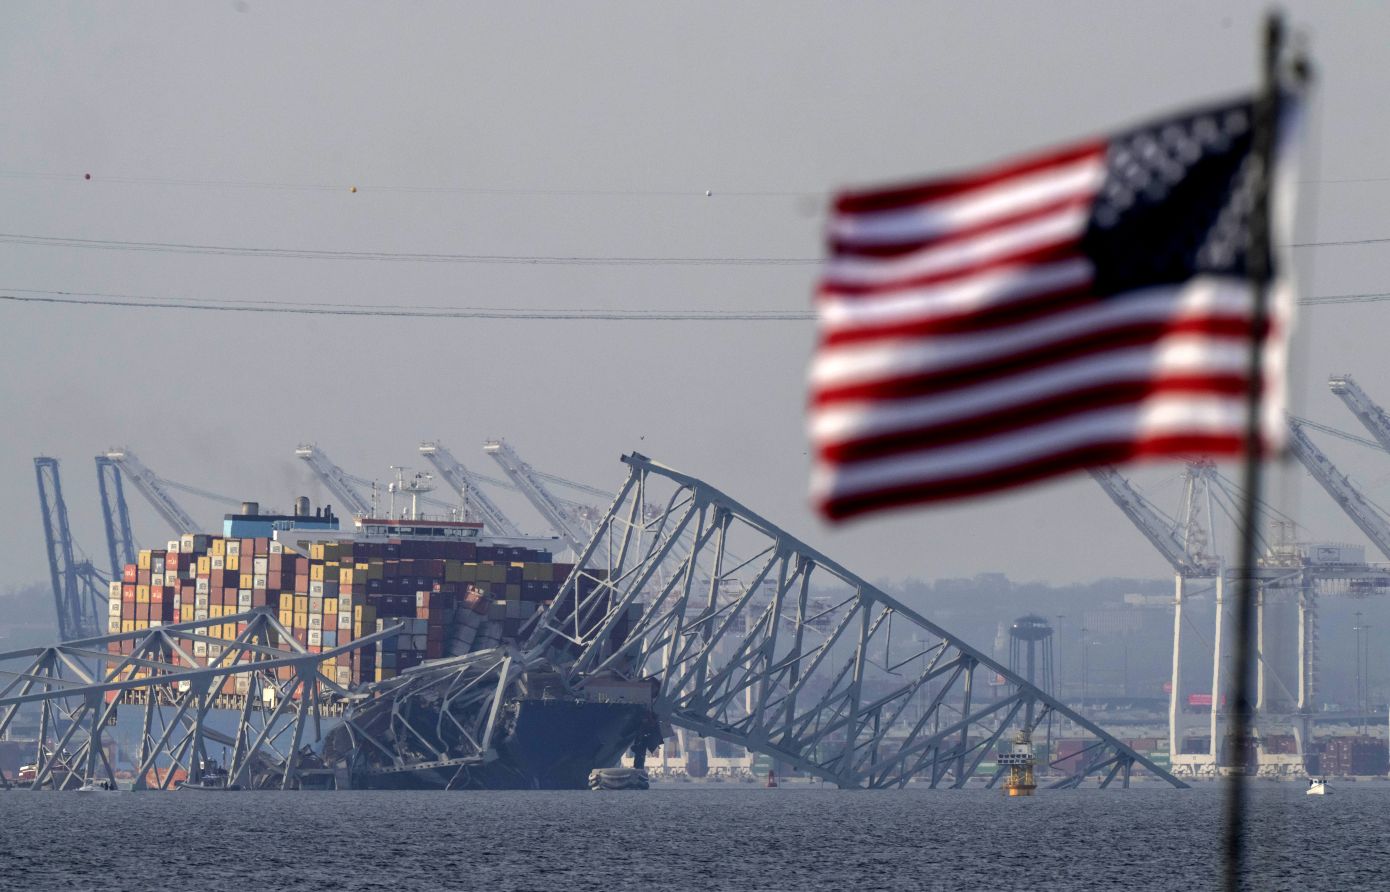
x,y
1030,650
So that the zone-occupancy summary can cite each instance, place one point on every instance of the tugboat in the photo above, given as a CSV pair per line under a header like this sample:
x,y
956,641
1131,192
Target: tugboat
x,y
212,778
1317,787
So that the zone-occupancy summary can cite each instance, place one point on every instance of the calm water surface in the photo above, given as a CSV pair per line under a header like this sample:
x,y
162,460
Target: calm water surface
x,y
687,836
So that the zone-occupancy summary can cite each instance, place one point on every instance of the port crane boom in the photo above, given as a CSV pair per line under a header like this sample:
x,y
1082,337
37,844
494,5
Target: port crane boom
x,y
1187,561
1370,414
338,481
79,592
120,540
155,489
560,514
465,482
1365,515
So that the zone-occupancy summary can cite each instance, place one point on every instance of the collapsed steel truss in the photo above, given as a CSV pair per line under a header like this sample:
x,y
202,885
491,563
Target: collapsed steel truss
x,y
279,698
439,716
788,653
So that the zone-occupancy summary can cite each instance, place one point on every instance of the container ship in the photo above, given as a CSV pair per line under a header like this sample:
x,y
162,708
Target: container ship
x,y
453,590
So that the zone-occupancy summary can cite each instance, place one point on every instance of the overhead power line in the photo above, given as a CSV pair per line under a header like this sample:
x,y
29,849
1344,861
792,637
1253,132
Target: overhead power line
x,y
45,241
394,256
428,311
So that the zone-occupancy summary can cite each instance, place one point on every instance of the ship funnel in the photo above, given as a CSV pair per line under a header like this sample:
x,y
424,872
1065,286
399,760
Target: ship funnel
x,y
250,509
301,506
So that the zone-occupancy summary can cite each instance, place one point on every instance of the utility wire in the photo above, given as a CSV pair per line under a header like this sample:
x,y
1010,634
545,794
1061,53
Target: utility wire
x,y
435,311
45,241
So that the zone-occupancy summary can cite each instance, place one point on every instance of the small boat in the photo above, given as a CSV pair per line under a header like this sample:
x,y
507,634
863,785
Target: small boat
x,y
1318,787
213,778
96,786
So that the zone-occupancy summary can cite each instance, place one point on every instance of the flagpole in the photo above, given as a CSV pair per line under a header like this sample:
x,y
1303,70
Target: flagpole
x,y
1259,260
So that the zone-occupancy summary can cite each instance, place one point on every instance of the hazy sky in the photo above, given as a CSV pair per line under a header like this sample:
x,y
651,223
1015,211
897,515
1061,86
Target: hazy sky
x,y
568,129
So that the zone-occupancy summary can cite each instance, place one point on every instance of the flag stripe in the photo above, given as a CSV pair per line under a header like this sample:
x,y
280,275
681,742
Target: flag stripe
x,y
1031,471
1160,416
844,253
996,201
1042,239
1185,358
1074,402
1211,306
894,197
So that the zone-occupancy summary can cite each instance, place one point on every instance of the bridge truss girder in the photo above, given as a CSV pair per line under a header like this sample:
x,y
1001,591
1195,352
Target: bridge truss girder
x,y
787,652
287,696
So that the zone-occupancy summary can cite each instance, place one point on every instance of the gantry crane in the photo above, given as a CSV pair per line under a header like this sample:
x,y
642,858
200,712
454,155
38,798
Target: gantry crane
x,y
155,489
1376,420
566,517
80,593
338,481
466,483
1182,543
1356,506
120,540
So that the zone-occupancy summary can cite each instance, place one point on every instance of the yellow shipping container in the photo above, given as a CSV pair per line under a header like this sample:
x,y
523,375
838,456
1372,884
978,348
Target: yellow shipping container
x,y
186,613
219,547
345,576
247,580
316,551
214,611
286,617
316,572
233,563
142,560
301,621
535,572
376,569
330,605
204,565
287,601
229,631
301,604
127,625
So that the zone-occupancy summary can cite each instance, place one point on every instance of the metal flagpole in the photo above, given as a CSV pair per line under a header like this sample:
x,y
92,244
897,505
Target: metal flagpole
x,y
1259,263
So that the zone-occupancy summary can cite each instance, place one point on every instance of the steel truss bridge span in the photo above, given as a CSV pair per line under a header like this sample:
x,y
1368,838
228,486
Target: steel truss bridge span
x,y
788,653
280,697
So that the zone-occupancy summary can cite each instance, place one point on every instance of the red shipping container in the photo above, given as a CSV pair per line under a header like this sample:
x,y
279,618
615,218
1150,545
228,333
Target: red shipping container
x,y
128,573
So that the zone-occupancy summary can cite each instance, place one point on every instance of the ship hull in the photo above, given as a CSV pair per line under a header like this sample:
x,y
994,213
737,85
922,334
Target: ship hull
x,y
552,744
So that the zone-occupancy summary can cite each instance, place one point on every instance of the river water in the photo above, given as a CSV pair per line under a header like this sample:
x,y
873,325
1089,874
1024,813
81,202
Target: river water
x,y
688,836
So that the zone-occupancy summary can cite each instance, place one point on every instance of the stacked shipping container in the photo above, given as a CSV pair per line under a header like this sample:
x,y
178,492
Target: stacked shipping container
x,y
451,597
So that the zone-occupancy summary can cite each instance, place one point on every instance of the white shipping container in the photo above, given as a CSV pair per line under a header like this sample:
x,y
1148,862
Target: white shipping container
x,y
260,565
277,547
173,545
345,619
219,562
316,588
113,589
214,650
200,601
258,581
113,607
243,600
243,684
233,547
156,580
114,625
200,614
344,675
185,543
200,648
202,587
316,621
315,604
315,635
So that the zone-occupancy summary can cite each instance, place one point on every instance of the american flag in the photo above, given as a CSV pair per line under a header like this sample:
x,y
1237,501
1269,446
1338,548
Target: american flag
x,y
1086,305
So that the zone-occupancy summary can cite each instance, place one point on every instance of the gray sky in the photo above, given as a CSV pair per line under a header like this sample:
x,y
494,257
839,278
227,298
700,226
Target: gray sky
x,y
608,122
